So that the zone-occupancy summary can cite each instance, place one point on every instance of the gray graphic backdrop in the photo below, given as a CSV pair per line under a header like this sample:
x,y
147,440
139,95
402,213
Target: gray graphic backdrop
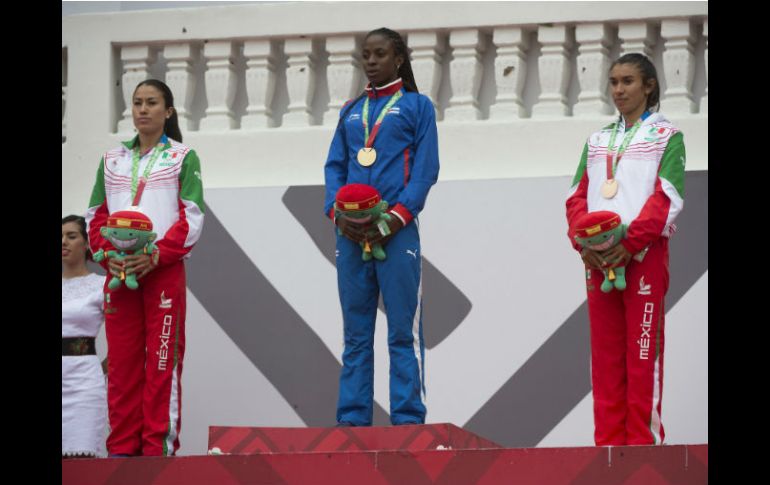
x,y
505,320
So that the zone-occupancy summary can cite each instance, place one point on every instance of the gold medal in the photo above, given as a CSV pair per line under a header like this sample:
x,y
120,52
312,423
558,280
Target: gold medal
x,y
366,156
609,188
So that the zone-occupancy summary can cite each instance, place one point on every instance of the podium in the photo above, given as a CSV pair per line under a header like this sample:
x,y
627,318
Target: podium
x,y
247,440
392,455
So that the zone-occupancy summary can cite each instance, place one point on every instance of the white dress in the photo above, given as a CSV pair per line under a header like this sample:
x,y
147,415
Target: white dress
x,y
83,388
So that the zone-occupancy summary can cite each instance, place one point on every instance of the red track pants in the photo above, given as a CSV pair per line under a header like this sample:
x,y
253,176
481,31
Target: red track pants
x,y
627,342
145,339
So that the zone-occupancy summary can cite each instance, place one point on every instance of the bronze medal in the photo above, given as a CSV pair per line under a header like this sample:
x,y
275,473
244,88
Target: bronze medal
x,y
609,188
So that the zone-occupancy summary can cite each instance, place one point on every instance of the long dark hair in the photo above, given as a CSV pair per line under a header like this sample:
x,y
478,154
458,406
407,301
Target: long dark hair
x,y
648,71
171,127
400,48
81,222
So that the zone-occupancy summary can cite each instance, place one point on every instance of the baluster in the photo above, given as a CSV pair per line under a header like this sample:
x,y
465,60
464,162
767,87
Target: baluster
x,y
704,101
181,80
260,83
465,74
300,81
678,65
63,94
220,85
593,63
510,72
136,68
636,37
427,51
343,73
554,71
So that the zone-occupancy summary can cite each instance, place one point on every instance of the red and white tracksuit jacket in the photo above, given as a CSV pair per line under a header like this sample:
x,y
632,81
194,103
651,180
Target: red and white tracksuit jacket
x,y
144,388
627,327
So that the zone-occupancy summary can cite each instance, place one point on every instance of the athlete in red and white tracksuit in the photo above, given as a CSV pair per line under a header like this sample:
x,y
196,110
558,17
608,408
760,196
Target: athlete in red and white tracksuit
x,y
627,327
144,388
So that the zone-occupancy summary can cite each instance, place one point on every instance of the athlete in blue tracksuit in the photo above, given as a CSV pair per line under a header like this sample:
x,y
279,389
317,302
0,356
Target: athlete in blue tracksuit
x,y
406,166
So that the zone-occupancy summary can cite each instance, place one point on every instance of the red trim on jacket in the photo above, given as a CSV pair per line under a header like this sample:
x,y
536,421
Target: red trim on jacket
x,y
172,247
649,224
403,212
95,239
577,206
387,90
406,166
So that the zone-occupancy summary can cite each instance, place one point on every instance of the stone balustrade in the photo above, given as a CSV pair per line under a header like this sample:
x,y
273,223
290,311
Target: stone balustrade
x,y
538,67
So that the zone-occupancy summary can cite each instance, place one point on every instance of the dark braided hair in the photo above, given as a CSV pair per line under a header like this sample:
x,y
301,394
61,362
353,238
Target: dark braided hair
x,y
171,126
404,71
647,69
400,48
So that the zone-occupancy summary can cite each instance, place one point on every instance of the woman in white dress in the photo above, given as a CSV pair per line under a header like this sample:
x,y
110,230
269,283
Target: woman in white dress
x,y
83,389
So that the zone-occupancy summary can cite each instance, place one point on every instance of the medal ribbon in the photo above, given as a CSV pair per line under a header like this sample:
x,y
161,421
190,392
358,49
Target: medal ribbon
x,y
137,185
370,138
612,165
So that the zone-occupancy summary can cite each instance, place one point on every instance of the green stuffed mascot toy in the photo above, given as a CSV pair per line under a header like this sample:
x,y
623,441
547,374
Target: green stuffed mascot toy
x,y
599,231
130,232
362,204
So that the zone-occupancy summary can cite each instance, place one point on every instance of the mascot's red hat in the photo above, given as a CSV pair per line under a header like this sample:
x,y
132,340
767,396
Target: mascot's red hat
x,y
132,219
594,223
357,197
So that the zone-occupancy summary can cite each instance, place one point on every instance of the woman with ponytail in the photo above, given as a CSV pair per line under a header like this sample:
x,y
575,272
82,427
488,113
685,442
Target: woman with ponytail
x,y
150,182
387,139
633,168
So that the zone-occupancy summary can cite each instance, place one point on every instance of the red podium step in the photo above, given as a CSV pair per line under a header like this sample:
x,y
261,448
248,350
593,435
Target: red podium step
x,y
400,455
247,440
